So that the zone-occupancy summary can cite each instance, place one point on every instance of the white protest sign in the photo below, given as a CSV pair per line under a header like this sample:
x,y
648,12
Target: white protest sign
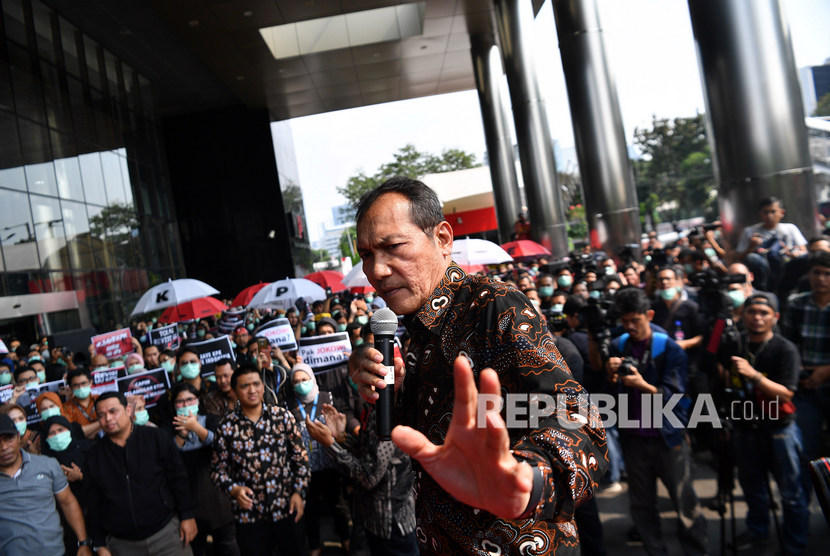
x,y
212,351
323,353
279,334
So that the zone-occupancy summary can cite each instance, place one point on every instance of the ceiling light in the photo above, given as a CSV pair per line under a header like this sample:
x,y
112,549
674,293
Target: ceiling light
x,y
344,31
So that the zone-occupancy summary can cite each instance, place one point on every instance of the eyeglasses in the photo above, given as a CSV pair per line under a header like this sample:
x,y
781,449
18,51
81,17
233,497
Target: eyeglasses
x,y
186,401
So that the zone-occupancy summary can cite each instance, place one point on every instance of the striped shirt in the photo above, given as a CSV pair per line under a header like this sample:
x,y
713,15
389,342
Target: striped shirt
x,y
808,326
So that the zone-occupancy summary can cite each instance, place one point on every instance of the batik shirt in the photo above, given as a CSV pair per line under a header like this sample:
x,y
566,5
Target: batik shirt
x,y
495,326
268,456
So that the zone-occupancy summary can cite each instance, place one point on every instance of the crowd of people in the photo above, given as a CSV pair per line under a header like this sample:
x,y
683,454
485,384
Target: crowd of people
x,y
253,455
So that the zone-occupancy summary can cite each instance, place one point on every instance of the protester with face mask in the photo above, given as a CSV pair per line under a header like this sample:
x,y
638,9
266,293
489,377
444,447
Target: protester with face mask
x,y
167,361
49,405
193,432
80,408
325,482
26,386
140,415
134,364
30,440
40,370
69,449
6,376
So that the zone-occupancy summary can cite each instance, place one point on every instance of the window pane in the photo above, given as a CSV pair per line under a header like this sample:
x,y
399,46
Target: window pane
x,y
57,103
77,234
43,31
34,142
41,179
68,172
70,47
100,246
125,177
93,69
11,171
19,251
112,178
48,226
93,179
14,20
28,98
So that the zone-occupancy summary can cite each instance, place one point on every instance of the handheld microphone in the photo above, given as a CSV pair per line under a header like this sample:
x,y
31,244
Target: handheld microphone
x,y
384,323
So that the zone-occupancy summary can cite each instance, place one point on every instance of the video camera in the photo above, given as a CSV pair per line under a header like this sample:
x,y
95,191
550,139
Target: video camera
x,y
712,297
599,316
658,259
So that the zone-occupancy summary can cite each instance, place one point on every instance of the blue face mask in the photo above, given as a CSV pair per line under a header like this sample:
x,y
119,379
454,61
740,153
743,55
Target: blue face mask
x,y
21,427
141,417
51,412
311,325
200,333
565,281
368,299
668,294
34,358
362,319
189,370
595,294
709,252
188,410
545,291
557,307
341,327
41,376
233,345
249,326
737,297
81,393
5,378
303,388
143,339
60,441
137,368
358,342
168,365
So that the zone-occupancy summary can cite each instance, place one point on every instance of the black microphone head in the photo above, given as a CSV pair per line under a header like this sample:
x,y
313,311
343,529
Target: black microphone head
x,y
384,322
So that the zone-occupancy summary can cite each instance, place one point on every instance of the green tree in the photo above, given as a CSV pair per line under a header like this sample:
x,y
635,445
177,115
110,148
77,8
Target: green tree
x,y
676,166
408,161
348,241
823,106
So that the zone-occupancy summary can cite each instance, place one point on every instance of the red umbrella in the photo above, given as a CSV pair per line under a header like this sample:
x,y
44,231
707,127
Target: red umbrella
x,y
244,297
195,309
362,289
473,268
327,279
524,248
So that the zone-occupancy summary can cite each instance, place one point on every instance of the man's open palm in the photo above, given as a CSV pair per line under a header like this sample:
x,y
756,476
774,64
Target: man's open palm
x,y
474,464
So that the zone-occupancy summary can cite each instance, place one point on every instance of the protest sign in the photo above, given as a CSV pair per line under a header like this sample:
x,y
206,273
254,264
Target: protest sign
x,y
152,385
104,380
6,393
323,353
212,351
231,319
113,344
165,337
279,333
32,416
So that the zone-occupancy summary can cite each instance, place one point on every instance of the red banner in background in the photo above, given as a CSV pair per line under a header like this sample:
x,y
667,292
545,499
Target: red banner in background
x,y
113,344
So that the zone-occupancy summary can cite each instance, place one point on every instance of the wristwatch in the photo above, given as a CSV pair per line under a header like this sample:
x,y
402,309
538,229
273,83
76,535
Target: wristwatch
x,y
85,542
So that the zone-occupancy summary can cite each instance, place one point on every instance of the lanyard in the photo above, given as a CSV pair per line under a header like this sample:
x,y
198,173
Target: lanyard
x,y
313,408
88,418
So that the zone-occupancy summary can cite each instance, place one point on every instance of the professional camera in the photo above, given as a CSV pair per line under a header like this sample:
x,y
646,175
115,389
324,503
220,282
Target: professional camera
x,y
712,297
599,316
628,366
556,320
703,228
658,259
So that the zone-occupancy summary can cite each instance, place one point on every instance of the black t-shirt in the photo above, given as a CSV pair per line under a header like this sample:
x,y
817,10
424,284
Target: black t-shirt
x,y
682,324
778,361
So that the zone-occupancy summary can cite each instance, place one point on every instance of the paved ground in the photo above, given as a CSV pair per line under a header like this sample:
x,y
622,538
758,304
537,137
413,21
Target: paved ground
x,y
616,522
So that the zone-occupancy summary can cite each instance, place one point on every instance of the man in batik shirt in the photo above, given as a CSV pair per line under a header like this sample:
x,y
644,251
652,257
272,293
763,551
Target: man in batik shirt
x,y
261,462
481,487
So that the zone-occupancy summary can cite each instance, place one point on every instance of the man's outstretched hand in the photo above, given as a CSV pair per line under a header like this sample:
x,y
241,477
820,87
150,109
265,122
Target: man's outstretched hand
x,y
474,464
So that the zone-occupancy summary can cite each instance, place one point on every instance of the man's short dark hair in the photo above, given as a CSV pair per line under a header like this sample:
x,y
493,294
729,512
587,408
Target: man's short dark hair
x,y
769,201
242,370
678,272
573,305
424,206
631,300
226,361
22,369
76,373
122,399
820,258
186,349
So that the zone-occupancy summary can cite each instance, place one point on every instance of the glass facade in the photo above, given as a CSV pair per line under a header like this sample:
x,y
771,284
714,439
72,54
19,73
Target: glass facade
x,y
85,200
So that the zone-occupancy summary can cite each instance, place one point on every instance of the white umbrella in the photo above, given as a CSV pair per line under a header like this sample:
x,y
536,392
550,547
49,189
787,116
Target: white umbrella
x,y
282,294
356,278
171,293
478,251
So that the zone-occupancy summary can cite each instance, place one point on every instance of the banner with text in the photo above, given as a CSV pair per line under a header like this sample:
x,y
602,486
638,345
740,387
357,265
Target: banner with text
x,y
104,380
279,333
165,337
152,385
32,416
323,353
211,351
113,344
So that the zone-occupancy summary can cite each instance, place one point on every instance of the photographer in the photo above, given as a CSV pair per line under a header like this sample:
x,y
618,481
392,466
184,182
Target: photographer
x,y
766,373
644,363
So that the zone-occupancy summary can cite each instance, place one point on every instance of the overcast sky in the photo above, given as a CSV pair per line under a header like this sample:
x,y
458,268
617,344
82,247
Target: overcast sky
x,y
651,52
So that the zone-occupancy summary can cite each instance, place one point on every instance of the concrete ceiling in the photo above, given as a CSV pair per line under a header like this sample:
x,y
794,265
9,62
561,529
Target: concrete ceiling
x,y
203,54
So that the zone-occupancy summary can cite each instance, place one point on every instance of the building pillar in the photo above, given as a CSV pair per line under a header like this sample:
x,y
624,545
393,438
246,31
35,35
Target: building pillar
x,y
607,179
754,111
488,71
544,200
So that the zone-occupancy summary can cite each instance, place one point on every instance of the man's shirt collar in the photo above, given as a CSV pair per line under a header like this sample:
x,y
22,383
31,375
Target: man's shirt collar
x,y
442,296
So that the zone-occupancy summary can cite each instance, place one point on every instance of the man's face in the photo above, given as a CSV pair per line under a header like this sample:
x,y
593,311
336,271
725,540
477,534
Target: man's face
x,y
249,390
759,319
666,279
820,279
821,245
325,330
402,263
151,357
27,377
140,404
99,362
546,281
242,338
524,283
38,366
637,324
631,277
223,375
113,417
79,382
9,449
771,215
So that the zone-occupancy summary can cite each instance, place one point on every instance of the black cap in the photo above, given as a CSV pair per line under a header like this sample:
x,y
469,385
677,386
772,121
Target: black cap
x,y
7,425
762,298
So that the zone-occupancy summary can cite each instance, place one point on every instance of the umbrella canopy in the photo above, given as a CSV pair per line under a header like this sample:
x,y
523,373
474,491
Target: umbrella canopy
x,y
478,251
473,268
327,279
244,297
171,293
356,278
525,248
362,289
193,309
283,294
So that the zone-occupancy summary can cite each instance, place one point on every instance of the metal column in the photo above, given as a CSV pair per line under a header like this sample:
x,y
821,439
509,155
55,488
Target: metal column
x,y
544,200
754,110
488,73
607,180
